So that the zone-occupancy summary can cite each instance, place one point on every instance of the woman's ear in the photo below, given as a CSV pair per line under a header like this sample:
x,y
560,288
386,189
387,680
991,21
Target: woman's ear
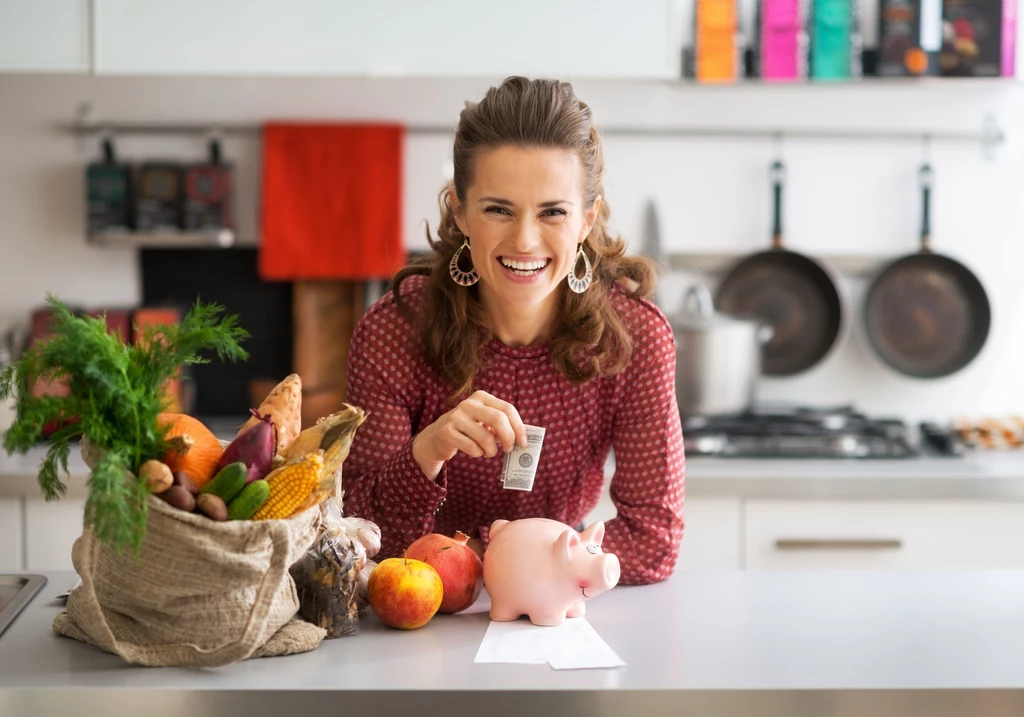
x,y
590,219
458,211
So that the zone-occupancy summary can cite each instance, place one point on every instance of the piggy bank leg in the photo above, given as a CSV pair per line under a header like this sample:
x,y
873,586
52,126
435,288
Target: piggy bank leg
x,y
548,619
503,613
577,610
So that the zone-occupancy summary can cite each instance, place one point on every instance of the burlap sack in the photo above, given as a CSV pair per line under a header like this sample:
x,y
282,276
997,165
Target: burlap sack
x,y
201,593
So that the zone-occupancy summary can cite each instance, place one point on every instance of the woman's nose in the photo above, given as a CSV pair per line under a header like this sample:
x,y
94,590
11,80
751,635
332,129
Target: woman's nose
x,y
527,237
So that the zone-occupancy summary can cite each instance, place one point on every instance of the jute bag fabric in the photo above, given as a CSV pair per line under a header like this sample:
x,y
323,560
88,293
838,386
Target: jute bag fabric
x,y
200,594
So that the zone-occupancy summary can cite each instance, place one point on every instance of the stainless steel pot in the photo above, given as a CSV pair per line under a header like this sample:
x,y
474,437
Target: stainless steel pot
x,y
718,357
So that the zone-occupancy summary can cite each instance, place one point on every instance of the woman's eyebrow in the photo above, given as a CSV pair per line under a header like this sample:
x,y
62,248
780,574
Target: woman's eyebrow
x,y
507,203
495,200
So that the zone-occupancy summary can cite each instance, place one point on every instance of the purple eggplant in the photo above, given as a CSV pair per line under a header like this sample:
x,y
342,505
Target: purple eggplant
x,y
254,447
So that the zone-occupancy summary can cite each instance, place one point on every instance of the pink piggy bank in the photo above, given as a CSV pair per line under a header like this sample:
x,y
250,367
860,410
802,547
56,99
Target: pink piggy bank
x,y
545,570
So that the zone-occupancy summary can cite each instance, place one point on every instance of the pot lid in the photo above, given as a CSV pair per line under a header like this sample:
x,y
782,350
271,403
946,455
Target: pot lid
x,y
697,313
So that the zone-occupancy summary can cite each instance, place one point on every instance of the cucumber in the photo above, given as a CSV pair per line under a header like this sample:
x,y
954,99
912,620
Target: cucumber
x,y
229,482
251,499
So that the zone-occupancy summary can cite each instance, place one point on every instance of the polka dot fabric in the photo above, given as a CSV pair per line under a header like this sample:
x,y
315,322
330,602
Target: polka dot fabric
x,y
634,413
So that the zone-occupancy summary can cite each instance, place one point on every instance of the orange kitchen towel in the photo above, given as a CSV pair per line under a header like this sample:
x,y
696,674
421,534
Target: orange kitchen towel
x,y
332,201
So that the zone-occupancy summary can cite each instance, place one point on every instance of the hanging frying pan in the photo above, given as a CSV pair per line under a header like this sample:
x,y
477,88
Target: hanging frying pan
x,y
793,294
927,315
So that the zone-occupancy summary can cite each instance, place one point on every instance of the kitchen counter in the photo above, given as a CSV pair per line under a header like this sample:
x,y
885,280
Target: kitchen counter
x,y
982,475
822,643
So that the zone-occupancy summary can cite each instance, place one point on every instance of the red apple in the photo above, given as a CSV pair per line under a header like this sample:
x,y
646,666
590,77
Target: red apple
x,y
404,593
461,570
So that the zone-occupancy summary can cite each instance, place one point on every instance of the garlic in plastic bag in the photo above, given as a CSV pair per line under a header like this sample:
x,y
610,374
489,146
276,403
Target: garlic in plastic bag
x,y
363,532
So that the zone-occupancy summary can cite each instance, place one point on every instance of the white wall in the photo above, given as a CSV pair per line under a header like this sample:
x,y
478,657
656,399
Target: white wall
x,y
842,198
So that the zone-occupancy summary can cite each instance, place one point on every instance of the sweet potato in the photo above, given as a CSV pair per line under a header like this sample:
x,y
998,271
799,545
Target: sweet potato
x,y
284,407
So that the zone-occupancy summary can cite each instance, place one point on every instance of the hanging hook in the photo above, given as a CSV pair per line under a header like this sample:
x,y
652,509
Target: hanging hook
x,y
82,113
214,137
107,144
777,146
991,136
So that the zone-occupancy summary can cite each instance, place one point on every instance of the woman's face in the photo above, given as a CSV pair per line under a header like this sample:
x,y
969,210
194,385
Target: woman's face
x,y
525,217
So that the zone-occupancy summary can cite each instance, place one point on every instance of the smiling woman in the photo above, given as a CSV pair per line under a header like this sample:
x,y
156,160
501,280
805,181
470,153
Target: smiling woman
x,y
526,313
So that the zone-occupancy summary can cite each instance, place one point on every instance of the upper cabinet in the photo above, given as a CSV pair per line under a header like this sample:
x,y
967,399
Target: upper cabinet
x,y
568,38
44,36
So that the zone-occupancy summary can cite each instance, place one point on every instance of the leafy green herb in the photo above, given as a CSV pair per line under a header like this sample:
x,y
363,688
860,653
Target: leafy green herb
x,y
117,393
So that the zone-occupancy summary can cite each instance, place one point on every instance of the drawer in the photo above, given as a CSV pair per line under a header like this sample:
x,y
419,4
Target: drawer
x,y
10,534
883,534
711,538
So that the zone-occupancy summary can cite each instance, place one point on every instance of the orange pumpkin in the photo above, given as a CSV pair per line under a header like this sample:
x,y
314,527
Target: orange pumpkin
x,y
194,448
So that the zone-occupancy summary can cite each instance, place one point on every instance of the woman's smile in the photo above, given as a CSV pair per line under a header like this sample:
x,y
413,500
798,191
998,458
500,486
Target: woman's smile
x,y
523,269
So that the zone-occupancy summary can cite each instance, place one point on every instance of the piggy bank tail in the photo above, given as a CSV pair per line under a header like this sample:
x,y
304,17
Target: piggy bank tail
x,y
496,526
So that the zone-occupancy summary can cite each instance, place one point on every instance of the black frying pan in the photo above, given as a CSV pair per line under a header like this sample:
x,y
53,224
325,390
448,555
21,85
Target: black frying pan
x,y
790,292
927,315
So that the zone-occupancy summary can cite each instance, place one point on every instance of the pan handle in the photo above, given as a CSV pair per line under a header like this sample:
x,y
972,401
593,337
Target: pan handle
x,y
926,177
777,173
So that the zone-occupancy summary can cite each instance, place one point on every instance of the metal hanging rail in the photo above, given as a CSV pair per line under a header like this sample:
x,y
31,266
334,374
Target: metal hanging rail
x,y
990,135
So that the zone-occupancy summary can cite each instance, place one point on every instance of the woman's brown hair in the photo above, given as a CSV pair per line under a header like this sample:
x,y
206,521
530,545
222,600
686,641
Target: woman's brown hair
x,y
589,338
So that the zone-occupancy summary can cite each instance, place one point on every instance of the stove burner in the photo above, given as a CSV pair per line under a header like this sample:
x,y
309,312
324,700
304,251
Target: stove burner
x,y
787,431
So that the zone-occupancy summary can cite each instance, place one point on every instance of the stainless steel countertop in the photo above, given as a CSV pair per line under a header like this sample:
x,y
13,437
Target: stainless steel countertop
x,y
982,475
732,642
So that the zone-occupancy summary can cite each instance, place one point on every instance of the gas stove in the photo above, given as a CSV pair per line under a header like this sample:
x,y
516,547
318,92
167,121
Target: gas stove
x,y
781,431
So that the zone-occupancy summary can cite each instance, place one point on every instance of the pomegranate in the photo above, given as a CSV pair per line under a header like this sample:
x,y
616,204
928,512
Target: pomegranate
x,y
461,570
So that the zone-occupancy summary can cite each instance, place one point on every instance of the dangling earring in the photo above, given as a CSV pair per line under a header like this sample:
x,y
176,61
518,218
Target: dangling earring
x,y
579,285
460,277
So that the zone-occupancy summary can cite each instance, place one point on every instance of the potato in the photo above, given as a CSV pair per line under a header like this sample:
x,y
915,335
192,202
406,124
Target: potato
x,y
186,481
212,506
179,497
157,476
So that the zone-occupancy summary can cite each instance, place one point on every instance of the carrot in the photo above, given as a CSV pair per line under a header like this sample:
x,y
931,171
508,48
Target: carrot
x,y
284,407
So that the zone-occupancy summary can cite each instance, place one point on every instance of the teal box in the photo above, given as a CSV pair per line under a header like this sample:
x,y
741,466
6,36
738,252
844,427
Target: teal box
x,y
837,42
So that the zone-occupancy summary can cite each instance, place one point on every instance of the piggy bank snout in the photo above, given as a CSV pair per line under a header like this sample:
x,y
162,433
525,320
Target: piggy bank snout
x,y
611,571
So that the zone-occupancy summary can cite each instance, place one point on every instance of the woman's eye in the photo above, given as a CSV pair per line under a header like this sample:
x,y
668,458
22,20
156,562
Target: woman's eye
x,y
554,213
496,210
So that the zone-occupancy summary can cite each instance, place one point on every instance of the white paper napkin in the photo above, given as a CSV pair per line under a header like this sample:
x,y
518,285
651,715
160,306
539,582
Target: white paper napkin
x,y
572,645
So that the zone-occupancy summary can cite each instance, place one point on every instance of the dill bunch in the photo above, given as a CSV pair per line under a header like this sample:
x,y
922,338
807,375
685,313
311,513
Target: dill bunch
x,y
117,393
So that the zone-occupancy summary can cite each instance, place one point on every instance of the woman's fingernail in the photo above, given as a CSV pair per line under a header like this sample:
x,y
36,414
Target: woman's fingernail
x,y
523,442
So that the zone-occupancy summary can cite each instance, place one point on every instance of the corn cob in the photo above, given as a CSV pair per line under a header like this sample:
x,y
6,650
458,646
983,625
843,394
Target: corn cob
x,y
290,487
335,448
325,432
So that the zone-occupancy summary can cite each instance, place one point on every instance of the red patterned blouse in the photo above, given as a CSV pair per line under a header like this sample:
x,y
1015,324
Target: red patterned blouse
x,y
634,413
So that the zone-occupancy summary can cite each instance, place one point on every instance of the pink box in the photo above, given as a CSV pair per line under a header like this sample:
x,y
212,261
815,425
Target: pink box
x,y
1009,38
783,39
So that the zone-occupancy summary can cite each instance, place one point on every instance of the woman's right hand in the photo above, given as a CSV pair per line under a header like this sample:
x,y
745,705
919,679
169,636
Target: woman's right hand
x,y
475,427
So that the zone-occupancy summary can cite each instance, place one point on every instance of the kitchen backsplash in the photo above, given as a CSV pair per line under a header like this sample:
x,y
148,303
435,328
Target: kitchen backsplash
x,y
712,195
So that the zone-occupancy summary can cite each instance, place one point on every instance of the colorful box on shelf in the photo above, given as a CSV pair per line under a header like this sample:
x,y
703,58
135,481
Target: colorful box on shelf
x,y
781,40
978,38
836,40
718,51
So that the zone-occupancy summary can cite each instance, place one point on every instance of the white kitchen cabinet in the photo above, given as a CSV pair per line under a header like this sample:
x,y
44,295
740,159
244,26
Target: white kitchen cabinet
x,y
711,538
883,534
44,36
11,545
50,530
570,38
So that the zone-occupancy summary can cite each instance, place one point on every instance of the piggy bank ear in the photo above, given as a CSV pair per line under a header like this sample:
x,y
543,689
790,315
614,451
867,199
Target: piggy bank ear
x,y
593,534
568,540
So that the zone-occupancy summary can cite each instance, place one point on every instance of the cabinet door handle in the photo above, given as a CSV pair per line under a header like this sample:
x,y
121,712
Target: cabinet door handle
x,y
838,544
